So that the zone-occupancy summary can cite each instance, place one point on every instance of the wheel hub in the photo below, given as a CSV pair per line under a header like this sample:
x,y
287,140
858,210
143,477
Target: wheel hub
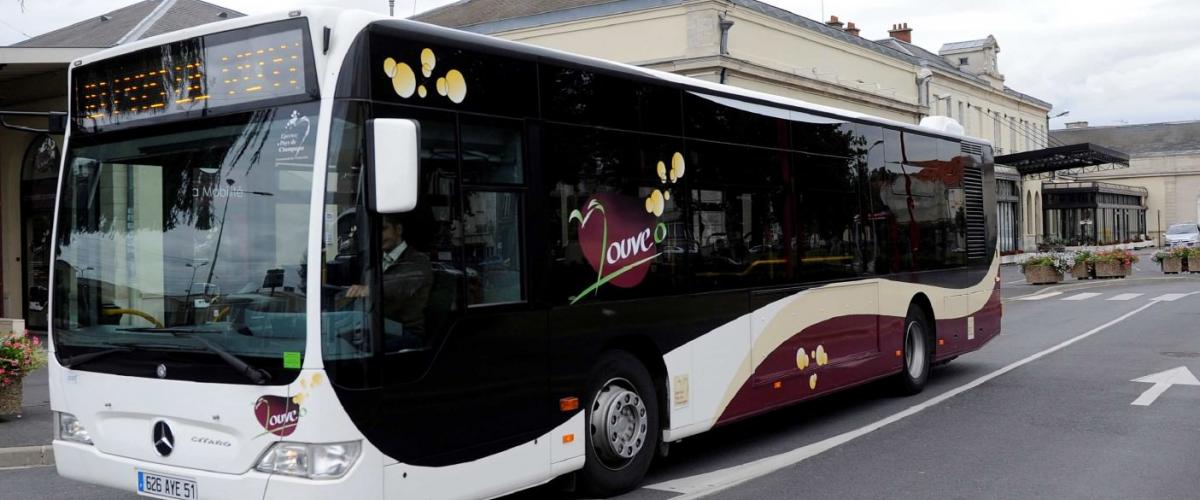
x,y
619,423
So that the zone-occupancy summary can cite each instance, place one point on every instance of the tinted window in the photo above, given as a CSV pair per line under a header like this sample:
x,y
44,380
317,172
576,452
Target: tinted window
x,y
710,120
586,97
743,220
830,224
838,139
492,151
616,227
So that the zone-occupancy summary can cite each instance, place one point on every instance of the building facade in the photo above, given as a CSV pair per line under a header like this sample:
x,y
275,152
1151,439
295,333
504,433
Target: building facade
x,y
33,78
1164,161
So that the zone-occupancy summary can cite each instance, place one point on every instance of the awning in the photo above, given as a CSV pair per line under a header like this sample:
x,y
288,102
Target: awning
x,y
1072,159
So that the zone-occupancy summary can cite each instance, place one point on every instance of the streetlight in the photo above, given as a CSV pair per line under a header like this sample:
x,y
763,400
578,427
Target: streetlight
x,y
1064,113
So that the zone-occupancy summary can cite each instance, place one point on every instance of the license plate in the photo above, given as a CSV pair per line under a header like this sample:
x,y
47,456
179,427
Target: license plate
x,y
158,485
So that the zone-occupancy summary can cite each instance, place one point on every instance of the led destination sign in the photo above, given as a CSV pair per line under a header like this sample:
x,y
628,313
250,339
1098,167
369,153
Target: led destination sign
x,y
233,67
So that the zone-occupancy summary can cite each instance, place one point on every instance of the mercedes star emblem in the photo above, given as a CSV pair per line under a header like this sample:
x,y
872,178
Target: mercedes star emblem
x,y
161,371
164,439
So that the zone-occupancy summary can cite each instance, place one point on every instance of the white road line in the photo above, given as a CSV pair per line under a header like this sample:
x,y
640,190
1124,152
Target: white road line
x,y
1081,296
1126,296
1170,297
1040,297
1013,282
705,484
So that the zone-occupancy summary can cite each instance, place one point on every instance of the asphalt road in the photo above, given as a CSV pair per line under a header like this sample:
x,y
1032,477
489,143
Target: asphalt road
x,y
1044,411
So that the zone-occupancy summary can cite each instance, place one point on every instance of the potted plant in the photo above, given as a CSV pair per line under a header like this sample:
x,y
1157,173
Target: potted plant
x,y
1043,269
1084,267
1191,260
1173,260
20,355
1114,263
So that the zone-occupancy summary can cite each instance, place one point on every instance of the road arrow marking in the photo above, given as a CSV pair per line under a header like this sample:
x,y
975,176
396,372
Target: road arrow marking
x,y
1163,381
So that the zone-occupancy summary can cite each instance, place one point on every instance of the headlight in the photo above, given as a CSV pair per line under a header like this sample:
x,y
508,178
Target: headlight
x,y
313,461
69,429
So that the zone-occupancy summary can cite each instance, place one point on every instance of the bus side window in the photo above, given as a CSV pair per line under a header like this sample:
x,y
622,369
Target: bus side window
x,y
492,247
741,201
830,224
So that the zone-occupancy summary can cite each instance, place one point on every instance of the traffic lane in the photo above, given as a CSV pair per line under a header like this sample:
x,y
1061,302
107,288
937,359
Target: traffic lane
x,y
1059,427
1012,292
44,483
1026,329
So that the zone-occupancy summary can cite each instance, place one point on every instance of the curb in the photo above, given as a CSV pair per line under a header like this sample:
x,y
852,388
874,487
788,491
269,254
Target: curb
x,y
26,456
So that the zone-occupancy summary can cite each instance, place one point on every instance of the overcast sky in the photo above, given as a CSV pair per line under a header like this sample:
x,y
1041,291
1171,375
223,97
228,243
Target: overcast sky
x,y
1108,62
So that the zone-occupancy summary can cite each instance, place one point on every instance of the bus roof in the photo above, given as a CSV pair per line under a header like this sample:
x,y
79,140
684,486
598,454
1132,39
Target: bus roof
x,y
358,20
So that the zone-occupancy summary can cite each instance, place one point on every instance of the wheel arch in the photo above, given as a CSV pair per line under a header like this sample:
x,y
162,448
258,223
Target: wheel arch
x,y
648,353
922,301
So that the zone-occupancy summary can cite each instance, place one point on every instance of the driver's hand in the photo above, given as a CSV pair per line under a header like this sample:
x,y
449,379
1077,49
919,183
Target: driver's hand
x,y
356,291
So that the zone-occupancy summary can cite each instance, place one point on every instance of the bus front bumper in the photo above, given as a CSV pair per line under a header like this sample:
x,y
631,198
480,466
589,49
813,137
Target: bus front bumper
x,y
85,463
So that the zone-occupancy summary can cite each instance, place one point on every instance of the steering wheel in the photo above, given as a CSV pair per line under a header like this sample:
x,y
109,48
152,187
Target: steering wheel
x,y
134,312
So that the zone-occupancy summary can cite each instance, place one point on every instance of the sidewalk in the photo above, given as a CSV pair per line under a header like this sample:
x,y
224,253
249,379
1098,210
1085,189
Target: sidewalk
x,y
25,441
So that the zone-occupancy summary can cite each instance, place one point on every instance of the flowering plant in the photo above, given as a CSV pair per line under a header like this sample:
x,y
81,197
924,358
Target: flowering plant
x,y
1173,253
1125,257
19,355
1060,262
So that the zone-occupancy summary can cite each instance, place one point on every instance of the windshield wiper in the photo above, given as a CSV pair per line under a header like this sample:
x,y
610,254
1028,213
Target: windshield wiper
x,y
78,359
256,375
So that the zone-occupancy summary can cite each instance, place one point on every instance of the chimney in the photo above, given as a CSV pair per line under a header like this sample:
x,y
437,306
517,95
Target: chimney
x,y
901,32
1076,125
851,28
834,23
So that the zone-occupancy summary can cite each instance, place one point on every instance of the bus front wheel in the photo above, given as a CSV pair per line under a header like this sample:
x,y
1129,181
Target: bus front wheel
x,y
622,425
918,351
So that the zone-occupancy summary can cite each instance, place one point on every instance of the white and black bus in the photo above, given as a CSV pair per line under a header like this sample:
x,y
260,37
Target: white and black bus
x,y
330,253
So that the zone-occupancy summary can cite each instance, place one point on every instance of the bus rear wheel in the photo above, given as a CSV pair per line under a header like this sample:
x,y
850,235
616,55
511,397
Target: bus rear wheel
x,y
622,425
918,351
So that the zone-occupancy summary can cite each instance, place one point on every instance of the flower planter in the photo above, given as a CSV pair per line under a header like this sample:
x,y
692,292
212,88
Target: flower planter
x,y
1111,269
1037,275
1082,271
1191,264
1172,265
10,398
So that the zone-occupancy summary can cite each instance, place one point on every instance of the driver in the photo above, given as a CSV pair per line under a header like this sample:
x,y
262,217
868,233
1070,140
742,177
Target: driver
x,y
407,278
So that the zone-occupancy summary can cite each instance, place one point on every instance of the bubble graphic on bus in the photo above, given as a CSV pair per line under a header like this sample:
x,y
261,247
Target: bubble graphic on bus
x,y
428,61
406,83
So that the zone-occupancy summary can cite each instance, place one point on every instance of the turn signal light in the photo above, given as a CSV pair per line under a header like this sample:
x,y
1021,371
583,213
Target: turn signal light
x,y
568,404
941,341
568,438
777,384
898,353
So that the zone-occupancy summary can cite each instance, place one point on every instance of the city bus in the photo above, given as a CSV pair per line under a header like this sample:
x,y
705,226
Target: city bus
x,y
326,252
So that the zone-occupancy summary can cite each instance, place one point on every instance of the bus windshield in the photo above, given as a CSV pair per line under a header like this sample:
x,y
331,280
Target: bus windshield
x,y
182,246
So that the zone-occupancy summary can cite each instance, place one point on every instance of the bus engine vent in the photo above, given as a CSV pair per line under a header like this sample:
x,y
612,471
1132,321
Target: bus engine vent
x,y
972,149
976,219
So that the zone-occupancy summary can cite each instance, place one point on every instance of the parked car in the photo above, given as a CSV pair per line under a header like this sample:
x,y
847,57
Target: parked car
x,y
1187,234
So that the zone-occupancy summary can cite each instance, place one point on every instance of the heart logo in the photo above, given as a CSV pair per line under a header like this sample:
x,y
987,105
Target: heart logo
x,y
277,415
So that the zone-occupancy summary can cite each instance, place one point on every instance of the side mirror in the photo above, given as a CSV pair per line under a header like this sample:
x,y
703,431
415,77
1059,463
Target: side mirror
x,y
393,157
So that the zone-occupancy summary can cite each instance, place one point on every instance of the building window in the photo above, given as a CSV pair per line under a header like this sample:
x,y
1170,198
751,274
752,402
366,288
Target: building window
x,y
962,61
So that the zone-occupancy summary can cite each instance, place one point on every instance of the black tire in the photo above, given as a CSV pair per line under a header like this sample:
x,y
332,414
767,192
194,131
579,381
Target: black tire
x,y
618,383
917,356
